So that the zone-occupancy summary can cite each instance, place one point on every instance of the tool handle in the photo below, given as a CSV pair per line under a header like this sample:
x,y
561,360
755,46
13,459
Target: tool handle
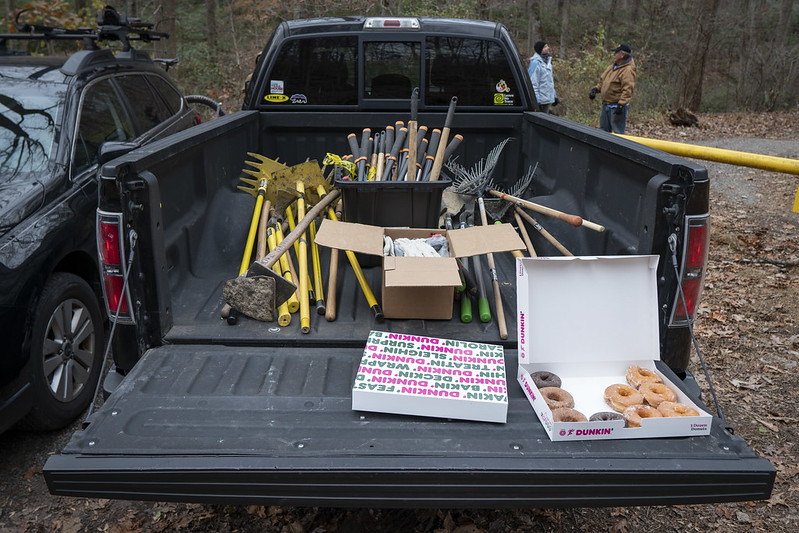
x,y
544,233
466,309
574,220
412,142
332,280
484,309
442,143
503,327
523,231
492,270
299,229
452,146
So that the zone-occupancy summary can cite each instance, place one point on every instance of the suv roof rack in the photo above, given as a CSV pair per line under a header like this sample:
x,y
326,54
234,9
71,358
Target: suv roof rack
x,y
111,26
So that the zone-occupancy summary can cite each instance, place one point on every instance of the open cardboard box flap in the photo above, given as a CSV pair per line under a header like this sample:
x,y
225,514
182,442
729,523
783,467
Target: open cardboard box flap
x,y
464,242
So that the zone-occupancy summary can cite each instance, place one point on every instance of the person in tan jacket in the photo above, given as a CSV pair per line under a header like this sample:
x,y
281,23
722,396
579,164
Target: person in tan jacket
x,y
616,86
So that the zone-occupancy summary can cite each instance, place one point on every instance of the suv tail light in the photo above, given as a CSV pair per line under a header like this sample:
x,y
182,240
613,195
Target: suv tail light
x,y
111,251
692,270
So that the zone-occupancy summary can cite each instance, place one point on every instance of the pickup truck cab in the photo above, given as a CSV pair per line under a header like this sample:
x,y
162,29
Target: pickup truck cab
x,y
261,413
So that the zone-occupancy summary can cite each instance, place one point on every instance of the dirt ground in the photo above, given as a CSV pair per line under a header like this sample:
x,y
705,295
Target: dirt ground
x,y
748,333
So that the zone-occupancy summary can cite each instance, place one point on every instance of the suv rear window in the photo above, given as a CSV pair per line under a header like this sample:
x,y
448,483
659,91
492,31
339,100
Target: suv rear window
x,y
148,110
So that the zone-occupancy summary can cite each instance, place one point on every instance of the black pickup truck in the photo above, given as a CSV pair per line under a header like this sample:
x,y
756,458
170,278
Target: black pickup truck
x,y
261,413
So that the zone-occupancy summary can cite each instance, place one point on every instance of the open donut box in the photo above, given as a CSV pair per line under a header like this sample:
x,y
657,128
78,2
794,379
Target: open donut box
x,y
587,319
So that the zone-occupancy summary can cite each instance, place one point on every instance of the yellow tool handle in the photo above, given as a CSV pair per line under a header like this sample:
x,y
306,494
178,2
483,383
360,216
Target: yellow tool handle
x,y
283,312
286,269
317,271
259,201
302,258
367,291
292,225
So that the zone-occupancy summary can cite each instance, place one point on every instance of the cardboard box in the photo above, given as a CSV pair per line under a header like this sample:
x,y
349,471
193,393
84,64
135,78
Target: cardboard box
x,y
418,287
424,376
587,319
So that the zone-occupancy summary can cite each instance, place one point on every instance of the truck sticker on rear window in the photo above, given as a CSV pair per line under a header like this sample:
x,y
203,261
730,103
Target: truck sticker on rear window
x,y
276,87
298,99
503,99
276,98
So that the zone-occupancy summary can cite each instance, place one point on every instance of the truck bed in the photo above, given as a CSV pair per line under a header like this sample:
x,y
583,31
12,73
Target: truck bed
x,y
258,414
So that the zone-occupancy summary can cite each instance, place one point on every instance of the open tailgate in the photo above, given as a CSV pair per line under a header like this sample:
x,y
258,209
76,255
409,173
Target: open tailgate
x,y
265,426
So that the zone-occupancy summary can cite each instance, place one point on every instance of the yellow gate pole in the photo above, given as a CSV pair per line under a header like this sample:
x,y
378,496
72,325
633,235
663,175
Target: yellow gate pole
x,y
720,155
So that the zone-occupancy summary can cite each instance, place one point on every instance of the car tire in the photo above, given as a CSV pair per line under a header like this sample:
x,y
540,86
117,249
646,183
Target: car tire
x,y
66,359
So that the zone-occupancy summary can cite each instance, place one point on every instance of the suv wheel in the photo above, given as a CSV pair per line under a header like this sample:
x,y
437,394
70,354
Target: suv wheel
x,y
66,351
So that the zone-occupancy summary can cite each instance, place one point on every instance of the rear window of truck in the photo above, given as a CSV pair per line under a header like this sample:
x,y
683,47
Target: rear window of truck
x,y
317,71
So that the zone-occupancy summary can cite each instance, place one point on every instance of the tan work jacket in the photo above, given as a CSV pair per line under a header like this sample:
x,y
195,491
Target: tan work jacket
x,y
616,85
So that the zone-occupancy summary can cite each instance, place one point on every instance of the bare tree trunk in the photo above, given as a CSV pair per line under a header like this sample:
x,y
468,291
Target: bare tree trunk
x,y
786,8
563,9
690,96
532,24
210,26
165,21
614,9
754,11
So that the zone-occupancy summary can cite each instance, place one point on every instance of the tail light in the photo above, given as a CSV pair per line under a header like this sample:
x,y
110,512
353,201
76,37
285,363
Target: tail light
x,y
111,251
692,270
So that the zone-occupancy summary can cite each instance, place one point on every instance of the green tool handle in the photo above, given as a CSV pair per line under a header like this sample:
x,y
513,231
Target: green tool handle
x,y
466,309
484,309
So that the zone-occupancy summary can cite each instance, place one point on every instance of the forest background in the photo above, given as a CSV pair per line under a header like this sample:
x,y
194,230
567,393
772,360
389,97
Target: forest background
x,y
704,56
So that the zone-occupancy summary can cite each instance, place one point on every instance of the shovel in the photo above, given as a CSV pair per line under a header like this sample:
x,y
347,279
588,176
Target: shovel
x,y
283,288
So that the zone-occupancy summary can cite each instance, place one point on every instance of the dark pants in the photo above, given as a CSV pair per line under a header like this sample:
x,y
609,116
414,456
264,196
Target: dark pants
x,y
610,120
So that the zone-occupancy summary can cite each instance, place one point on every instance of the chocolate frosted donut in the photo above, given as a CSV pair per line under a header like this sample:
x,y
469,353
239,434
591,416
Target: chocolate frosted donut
x,y
605,416
545,379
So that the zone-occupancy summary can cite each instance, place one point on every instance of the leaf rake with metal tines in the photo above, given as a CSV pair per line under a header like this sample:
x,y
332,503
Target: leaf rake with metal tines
x,y
476,180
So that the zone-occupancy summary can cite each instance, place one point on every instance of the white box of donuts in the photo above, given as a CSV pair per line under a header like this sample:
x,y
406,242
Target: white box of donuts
x,y
588,341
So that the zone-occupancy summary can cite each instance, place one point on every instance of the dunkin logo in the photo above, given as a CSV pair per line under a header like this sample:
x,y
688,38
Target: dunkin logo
x,y
585,432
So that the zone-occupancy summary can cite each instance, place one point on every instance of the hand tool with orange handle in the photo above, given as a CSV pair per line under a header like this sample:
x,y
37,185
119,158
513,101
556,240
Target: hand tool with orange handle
x,y
574,220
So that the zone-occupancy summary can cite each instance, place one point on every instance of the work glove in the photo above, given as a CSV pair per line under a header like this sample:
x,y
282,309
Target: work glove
x,y
618,111
556,102
592,94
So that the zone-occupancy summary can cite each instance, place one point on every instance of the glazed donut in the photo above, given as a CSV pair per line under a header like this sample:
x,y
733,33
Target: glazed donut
x,y
656,393
635,413
545,379
605,416
557,397
676,409
637,375
565,414
621,396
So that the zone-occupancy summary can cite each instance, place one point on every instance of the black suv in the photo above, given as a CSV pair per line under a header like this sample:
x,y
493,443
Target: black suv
x,y
59,119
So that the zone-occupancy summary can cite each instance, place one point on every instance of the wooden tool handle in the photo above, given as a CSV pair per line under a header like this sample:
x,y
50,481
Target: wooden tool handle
x,y
523,231
332,279
574,220
544,233
492,269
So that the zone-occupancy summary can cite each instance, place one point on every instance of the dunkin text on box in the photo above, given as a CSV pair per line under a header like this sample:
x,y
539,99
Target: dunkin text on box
x,y
426,366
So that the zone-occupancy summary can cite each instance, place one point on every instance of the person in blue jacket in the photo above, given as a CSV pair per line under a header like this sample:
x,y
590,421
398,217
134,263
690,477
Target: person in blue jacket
x,y
540,72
